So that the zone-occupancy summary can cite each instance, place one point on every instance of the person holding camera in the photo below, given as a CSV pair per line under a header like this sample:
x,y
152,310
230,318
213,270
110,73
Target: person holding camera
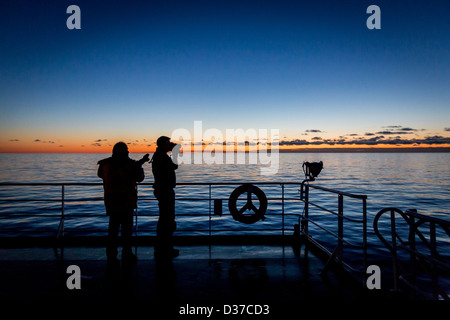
x,y
163,170
120,176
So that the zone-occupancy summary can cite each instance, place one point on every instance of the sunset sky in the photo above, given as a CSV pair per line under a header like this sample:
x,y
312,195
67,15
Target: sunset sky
x,y
140,69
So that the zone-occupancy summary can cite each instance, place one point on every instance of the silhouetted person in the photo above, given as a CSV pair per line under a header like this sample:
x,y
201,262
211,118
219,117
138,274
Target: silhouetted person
x,y
120,175
165,180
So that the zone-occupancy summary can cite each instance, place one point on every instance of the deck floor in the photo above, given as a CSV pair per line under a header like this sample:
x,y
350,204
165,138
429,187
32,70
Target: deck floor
x,y
201,274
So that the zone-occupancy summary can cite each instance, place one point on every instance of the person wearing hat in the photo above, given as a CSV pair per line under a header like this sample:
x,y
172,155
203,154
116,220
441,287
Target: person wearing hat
x,y
163,170
120,175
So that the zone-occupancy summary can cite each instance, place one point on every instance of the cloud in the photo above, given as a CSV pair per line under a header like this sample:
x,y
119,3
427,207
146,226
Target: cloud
x,y
376,140
447,129
42,141
313,130
391,130
296,142
97,142
436,140
387,132
14,140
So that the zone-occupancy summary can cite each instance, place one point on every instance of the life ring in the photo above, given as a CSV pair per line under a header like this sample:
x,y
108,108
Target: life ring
x,y
258,213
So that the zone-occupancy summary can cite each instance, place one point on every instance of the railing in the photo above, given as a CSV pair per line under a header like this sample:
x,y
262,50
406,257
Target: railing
x,y
425,263
287,220
336,254
214,203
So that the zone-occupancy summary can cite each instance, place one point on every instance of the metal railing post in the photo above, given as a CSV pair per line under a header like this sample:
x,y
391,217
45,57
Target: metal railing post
x,y
340,227
365,238
282,208
210,222
61,221
412,243
394,249
306,198
434,255
136,216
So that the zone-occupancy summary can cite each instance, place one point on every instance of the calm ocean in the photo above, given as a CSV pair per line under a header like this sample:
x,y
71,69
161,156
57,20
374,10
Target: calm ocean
x,y
404,180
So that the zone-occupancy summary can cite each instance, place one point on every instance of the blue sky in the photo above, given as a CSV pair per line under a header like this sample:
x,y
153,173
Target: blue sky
x,y
140,69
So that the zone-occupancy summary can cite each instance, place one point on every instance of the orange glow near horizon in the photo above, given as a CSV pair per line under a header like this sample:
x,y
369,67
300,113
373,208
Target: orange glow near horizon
x,y
71,149
46,147
363,146
85,143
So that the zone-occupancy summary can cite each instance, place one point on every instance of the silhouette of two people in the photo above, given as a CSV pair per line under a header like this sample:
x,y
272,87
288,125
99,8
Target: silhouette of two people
x,y
120,176
163,170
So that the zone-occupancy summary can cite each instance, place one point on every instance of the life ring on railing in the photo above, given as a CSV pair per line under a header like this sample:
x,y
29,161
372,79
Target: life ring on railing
x,y
258,213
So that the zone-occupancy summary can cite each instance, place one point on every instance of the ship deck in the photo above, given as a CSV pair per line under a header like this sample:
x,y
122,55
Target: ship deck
x,y
202,275
240,268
